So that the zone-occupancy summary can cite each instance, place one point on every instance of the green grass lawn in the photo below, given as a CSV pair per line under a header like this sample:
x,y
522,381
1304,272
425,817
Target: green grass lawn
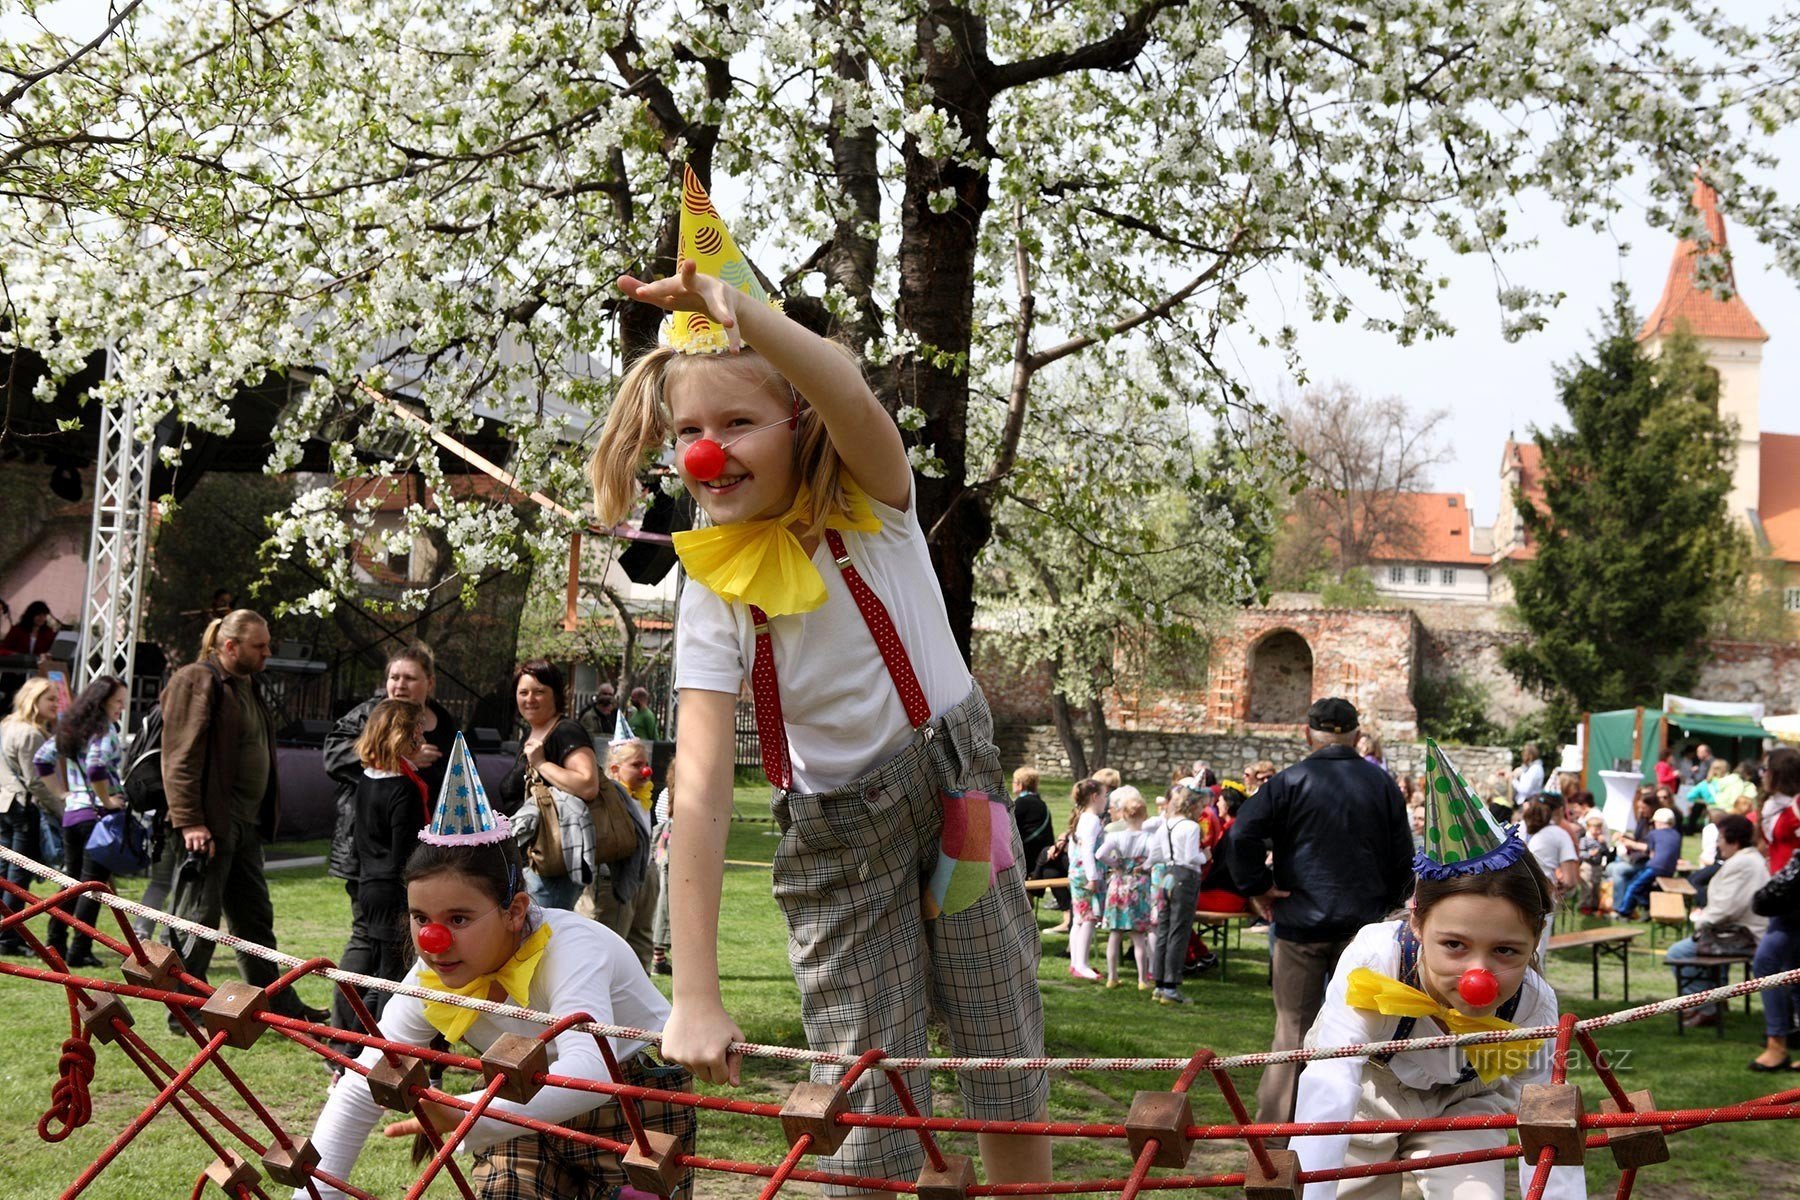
x,y
1233,1016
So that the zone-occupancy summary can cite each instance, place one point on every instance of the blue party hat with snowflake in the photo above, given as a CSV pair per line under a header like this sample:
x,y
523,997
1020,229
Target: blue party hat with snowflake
x,y
1461,836
622,730
464,817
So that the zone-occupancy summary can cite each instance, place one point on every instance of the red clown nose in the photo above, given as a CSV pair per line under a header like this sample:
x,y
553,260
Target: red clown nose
x,y
1478,987
645,772
705,460
434,938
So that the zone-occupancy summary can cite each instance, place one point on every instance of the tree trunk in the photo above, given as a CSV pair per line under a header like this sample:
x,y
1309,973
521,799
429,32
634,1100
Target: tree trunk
x,y
1102,738
935,309
1065,730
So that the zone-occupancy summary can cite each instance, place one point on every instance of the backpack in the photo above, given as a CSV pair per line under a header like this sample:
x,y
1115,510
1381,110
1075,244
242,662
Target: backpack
x,y
143,774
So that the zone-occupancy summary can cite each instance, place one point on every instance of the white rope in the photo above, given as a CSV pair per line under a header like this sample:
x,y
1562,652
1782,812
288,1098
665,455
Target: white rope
x,y
790,1054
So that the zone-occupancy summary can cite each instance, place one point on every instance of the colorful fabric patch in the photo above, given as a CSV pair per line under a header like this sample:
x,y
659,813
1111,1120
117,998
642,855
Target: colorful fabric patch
x,y
975,847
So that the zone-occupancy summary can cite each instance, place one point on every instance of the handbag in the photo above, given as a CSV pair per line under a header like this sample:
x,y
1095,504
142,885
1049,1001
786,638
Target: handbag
x,y
119,843
615,829
1724,941
562,842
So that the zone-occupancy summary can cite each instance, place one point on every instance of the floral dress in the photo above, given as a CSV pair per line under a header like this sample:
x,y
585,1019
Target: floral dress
x,y
1085,879
1130,906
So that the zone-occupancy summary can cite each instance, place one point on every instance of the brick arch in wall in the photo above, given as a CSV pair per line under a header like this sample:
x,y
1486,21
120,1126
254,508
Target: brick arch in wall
x,y
1279,671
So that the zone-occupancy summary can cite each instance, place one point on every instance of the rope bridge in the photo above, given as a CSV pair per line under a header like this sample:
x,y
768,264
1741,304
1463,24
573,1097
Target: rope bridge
x,y
1553,1126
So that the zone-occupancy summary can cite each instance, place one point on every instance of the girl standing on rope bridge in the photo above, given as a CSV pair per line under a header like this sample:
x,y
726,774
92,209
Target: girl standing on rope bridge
x,y
814,584
1460,958
478,934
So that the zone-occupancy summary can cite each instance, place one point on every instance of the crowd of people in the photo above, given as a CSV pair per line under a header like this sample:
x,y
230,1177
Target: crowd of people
x,y
901,866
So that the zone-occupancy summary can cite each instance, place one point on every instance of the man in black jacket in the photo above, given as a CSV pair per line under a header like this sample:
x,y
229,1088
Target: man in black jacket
x,y
1343,859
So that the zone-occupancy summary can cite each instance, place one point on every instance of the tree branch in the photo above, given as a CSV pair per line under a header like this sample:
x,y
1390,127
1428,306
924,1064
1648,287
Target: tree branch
x,y
1115,52
27,82
1161,309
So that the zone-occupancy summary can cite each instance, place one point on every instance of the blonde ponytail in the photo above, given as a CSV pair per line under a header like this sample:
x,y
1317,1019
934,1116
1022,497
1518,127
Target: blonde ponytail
x,y
234,624
637,423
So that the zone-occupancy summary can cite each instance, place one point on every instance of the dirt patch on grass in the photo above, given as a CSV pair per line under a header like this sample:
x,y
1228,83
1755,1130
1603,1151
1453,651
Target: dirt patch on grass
x,y
1759,1177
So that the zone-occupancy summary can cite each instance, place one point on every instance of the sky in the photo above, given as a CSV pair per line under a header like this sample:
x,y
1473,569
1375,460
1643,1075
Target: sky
x,y
1489,388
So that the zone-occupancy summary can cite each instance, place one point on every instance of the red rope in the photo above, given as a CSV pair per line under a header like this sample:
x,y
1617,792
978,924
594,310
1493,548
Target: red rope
x,y
70,1107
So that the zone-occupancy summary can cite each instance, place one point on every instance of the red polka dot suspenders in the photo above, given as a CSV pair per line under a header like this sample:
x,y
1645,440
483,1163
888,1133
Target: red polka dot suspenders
x,y
765,689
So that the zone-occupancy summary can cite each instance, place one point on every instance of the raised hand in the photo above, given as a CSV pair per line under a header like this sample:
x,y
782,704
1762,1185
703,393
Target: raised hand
x,y
689,291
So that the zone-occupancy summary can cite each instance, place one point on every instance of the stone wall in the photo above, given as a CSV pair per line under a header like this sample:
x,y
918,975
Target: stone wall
x,y
1752,671
1374,657
1149,759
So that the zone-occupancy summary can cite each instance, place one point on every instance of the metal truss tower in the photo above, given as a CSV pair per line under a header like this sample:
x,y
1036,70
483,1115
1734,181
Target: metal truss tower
x,y
117,545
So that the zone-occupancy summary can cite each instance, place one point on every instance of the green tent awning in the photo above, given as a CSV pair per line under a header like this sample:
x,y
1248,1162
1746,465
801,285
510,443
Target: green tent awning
x,y
1738,727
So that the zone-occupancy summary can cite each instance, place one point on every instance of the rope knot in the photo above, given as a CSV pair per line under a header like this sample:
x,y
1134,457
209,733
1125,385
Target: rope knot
x,y
70,1107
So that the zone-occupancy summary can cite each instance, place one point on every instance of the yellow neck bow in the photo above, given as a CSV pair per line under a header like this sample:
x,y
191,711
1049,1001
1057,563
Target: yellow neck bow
x,y
762,562
1372,991
514,978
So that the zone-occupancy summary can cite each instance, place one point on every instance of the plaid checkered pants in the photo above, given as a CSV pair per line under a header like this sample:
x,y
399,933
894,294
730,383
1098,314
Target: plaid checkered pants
x,y
534,1165
850,876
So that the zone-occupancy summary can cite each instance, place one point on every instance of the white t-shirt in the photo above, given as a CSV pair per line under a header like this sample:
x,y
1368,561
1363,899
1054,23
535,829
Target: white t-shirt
x,y
586,968
1551,847
1331,1088
843,714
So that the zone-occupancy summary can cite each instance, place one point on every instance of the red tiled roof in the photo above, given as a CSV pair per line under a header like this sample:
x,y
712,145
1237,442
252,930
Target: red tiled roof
x,y
1779,503
1685,304
1441,524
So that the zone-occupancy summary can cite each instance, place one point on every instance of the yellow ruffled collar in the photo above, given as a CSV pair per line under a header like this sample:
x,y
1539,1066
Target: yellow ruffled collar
x,y
1371,991
514,979
762,562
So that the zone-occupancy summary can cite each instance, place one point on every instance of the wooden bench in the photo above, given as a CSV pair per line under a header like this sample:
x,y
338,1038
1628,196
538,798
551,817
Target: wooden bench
x,y
1667,908
1035,888
1726,961
1223,925
1676,884
1614,943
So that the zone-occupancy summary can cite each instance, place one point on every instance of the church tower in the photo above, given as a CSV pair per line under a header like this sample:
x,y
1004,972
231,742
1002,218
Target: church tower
x,y
1730,337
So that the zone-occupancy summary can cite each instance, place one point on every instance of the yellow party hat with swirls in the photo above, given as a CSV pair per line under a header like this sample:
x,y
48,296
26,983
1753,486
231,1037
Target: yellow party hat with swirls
x,y
705,239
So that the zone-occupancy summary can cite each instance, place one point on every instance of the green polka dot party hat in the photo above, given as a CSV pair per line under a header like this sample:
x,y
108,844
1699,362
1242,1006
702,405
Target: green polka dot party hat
x,y
1461,835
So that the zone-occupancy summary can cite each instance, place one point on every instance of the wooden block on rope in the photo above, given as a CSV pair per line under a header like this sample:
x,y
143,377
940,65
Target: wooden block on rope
x,y
951,1183
1637,1145
232,1011
1550,1115
1282,1184
392,1086
157,969
98,1015
521,1060
230,1173
657,1171
291,1168
1164,1116
815,1108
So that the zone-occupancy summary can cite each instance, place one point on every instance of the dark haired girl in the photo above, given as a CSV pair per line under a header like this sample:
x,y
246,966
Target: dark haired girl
x,y
477,934
82,762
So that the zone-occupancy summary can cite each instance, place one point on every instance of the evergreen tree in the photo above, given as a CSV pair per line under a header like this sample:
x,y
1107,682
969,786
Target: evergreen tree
x,y
1635,544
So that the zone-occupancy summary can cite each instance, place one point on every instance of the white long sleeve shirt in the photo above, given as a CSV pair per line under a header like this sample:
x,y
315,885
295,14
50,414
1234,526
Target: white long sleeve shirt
x,y
1332,1088
586,968
1729,894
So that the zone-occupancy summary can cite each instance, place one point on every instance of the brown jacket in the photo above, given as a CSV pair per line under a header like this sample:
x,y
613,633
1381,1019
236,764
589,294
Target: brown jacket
x,y
200,751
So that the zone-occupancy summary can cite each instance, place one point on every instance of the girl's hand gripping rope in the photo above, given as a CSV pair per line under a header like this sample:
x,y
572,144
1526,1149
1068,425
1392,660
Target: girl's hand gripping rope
x,y
696,1037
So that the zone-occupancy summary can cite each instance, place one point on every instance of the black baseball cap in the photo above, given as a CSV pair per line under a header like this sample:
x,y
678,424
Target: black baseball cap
x,y
1333,714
